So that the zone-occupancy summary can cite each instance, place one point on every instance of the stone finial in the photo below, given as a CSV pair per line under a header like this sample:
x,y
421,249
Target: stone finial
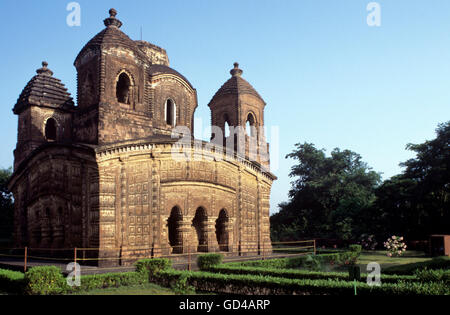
x,y
112,20
44,70
112,12
236,72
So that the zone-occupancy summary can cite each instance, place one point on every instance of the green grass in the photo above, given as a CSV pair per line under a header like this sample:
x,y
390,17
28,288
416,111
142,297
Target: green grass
x,y
381,258
144,289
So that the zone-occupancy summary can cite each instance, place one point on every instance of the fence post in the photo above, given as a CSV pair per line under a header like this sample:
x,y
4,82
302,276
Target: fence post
x,y
189,257
75,259
314,247
264,252
25,259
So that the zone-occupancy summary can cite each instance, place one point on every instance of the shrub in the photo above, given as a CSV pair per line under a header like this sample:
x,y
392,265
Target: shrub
x,y
11,281
301,274
368,242
355,248
395,246
182,287
310,262
426,275
44,280
110,280
153,266
206,261
255,284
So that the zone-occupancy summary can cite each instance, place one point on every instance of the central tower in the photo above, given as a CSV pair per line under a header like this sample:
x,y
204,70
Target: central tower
x,y
127,91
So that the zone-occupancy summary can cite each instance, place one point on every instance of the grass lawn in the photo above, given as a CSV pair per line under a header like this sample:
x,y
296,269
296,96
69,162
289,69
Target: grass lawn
x,y
145,289
379,256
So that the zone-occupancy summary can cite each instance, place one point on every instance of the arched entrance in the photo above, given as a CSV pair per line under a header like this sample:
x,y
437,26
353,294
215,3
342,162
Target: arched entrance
x,y
174,225
200,223
123,88
222,230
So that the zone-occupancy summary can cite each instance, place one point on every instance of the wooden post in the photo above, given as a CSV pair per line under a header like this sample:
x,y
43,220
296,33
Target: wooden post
x,y
25,260
75,259
314,247
264,252
189,257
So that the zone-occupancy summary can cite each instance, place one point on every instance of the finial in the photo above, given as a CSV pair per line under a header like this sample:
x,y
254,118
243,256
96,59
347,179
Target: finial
x,y
236,72
44,70
112,12
112,21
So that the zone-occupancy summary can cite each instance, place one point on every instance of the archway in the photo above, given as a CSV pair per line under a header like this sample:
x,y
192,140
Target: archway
x,y
174,225
222,231
123,88
200,222
50,129
250,126
170,113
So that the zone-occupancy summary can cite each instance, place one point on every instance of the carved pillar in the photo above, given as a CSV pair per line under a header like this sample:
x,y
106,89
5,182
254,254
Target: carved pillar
x,y
209,227
58,231
185,233
46,233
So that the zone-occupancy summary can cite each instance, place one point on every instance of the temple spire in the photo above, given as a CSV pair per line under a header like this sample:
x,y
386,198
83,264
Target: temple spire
x,y
112,21
236,72
44,69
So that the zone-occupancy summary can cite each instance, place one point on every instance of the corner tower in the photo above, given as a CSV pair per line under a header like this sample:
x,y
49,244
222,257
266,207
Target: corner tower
x,y
237,110
45,111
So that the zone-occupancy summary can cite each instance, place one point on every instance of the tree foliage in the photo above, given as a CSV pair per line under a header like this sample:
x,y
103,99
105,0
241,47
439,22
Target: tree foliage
x,y
329,195
6,205
417,202
341,197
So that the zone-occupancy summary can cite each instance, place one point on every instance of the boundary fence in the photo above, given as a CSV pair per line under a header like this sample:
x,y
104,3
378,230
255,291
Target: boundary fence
x,y
90,256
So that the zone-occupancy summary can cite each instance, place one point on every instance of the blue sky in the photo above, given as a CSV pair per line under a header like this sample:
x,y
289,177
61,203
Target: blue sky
x,y
326,76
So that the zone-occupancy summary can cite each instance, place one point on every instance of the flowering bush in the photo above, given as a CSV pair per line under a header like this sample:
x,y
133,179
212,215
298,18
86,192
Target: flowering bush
x,y
395,246
368,242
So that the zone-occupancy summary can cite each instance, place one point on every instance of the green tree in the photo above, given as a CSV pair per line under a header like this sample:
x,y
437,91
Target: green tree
x,y
6,205
416,203
330,196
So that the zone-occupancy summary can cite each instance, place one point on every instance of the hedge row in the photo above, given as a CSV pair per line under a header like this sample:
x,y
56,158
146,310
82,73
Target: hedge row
x,y
11,281
301,274
312,262
48,280
256,284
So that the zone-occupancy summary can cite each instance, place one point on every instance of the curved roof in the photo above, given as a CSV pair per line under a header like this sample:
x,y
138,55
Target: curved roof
x,y
43,89
111,36
161,69
236,85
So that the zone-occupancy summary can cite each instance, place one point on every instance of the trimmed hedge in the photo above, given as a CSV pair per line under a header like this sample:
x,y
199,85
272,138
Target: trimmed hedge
x,y
48,280
302,274
108,280
426,275
207,261
152,266
311,262
253,284
44,280
12,281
